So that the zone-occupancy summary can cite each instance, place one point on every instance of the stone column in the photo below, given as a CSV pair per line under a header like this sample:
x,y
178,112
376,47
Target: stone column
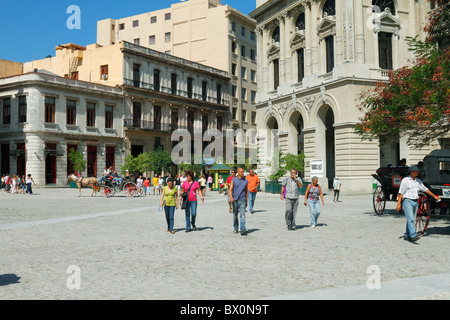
x,y
359,15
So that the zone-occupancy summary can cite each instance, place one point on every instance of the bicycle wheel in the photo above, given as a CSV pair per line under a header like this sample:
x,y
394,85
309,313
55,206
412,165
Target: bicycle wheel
x,y
379,201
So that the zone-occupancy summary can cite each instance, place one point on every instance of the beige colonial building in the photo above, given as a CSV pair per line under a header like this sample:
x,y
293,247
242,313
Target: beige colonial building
x,y
108,102
45,116
314,59
202,31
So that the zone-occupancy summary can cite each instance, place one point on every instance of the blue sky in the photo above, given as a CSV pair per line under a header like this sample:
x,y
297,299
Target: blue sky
x,y
31,29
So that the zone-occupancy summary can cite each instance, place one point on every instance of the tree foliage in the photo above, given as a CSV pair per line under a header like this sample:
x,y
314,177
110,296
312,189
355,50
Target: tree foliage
x,y
415,101
77,161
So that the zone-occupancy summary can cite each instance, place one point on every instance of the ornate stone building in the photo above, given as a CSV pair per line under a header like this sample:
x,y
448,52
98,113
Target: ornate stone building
x,y
314,59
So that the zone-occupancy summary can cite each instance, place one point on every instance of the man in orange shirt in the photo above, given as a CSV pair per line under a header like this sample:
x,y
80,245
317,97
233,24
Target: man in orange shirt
x,y
253,184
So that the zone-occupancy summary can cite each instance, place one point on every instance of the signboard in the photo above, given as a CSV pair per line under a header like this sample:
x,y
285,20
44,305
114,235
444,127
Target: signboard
x,y
316,168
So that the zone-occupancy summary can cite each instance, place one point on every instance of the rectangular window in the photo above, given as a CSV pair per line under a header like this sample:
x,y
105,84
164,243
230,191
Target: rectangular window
x,y
74,75
233,69
137,114
301,64
135,23
244,94
136,75
71,112
156,80
253,117
174,119
168,16
243,73
122,26
219,123
109,117
90,114
173,83
152,40
244,115
243,31
233,91
233,26
253,97
252,35
276,74
168,36
50,103
234,113
219,94
137,41
7,111
190,87
157,117
242,51
204,90
154,19
253,75
385,50
252,54
233,47
22,109
329,44
104,72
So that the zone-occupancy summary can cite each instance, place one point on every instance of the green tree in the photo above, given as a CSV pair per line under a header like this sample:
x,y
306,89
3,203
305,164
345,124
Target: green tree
x,y
295,162
77,161
415,101
277,165
160,160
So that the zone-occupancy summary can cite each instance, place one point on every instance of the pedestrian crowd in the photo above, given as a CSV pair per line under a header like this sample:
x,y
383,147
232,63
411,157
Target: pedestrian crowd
x,y
17,184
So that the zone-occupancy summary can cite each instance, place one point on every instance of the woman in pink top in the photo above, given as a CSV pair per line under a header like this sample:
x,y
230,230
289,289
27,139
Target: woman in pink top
x,y
191,208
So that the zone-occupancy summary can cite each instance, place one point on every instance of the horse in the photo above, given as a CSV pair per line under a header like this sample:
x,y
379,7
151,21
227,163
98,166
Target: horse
x,y
80,182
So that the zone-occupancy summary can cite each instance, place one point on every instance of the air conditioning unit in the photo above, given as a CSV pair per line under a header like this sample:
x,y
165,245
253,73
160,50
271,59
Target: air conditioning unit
x,y
104,77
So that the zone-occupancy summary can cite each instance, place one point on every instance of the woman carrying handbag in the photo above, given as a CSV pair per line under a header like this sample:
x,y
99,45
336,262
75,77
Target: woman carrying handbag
x,y
189,198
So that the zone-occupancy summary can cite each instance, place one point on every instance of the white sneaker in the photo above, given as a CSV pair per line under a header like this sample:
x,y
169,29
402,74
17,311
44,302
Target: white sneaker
x,y
313,226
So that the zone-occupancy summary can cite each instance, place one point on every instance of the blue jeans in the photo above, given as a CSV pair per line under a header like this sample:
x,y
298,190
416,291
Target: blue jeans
x,y
410,209
191,213
170,213
239,209
251,200
314,211
29,191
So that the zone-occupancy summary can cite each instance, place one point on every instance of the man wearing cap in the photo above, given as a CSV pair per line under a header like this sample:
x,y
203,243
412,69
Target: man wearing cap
x,y
409,193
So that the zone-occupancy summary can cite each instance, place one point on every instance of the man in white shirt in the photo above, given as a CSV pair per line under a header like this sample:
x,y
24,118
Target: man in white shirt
x,y
409,193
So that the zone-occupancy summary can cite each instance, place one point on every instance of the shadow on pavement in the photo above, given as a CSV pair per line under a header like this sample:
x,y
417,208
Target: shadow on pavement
x,y
7,279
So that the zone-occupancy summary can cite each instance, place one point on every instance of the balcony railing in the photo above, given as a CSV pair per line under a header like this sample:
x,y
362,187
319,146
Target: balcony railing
x,y
177,92
147,125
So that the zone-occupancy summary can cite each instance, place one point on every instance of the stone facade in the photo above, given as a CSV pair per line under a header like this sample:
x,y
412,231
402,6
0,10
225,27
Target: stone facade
x,y
314,60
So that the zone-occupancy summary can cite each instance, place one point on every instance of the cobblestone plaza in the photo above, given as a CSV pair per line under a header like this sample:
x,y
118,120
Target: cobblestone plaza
x,y
58,246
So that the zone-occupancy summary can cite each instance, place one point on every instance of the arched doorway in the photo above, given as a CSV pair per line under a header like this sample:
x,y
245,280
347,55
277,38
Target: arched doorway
x,y
325,144
296,140
272,137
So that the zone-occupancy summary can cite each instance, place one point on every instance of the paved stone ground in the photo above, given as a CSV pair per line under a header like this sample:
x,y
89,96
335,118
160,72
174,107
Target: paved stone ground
x,y
123,251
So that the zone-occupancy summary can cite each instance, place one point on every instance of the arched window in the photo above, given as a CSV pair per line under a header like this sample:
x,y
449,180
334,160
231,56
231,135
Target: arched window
x,y
276,34
300,23
383,4
329,8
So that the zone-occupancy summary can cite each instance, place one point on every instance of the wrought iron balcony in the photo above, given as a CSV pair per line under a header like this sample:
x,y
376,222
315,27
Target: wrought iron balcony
x,y
132,124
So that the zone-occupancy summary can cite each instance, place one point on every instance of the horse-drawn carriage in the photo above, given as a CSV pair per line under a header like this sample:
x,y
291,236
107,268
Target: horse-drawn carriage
x,y
127,185
435,175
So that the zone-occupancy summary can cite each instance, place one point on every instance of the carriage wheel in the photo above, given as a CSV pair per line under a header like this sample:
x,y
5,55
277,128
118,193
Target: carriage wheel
x,y
130,189
379,202
423,214
107,192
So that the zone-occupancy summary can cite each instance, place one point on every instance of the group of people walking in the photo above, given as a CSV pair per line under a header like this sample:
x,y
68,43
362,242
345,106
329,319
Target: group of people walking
x,y
242,191
17,184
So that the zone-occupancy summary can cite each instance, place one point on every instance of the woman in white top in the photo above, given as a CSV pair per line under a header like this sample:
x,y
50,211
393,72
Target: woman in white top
x,y
409,193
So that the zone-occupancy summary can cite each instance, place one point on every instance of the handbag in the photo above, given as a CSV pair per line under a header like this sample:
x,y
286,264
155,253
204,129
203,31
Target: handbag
x,y
185,196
